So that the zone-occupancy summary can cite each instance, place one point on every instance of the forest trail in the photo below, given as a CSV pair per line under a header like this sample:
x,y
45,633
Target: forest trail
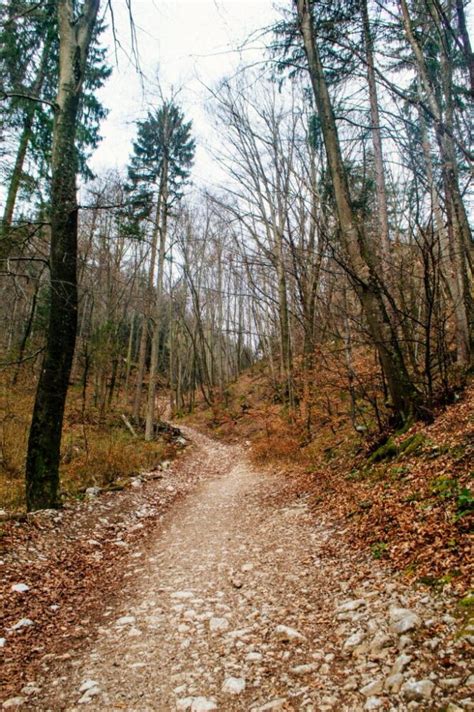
x,y
244,602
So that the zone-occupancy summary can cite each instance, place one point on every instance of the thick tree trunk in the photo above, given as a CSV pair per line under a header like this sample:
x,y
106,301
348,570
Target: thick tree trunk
x,y
42,462
404,396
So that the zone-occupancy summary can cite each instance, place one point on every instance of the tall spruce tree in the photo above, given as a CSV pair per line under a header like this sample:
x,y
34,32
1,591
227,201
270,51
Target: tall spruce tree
x,y
159,167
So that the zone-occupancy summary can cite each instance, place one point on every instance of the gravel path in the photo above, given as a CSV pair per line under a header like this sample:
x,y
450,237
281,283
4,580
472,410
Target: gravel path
x,y
244,602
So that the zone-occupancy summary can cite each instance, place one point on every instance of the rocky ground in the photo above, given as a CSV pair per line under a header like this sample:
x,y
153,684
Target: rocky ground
x,y
242,600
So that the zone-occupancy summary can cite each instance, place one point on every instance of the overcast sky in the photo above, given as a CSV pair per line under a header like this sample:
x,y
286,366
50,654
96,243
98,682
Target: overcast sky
x,y
186,43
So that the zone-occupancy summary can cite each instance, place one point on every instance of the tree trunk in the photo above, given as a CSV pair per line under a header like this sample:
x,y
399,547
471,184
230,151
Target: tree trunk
x,y
459,231
155,339
25,138
381,193
146,320
404,396
42,462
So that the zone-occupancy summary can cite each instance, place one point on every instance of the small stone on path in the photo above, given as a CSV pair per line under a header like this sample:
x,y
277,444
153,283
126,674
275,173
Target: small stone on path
x,y
287,634
375,687
202,704
13,702
303,669
20,587
233,685
217,624
418,690
403,620
22,623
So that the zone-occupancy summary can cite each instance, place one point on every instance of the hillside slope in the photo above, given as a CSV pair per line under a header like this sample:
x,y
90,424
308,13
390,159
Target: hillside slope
x,y
408,498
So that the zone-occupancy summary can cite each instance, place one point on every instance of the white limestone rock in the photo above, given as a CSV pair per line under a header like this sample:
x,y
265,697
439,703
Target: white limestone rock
x,y
403,620
394,682
287,634
13,702
374,687
400,663
20,587
352,605
202,704
92,492
303,669
218,624
233,685
22,623
354,640
88,685
417,690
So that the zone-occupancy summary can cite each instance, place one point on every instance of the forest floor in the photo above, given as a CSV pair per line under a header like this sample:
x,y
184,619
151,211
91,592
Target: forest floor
x,y
218,586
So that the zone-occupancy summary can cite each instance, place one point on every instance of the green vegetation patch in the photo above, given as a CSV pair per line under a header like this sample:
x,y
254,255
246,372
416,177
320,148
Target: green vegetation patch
x,y
379,549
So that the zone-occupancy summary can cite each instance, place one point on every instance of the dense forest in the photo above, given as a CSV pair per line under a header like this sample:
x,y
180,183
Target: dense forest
x,y
338,251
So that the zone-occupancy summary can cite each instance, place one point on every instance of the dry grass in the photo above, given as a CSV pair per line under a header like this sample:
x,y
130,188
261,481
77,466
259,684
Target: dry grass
x,y
92,453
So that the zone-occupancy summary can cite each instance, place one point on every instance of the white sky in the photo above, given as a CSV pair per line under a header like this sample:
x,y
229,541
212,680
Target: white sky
x,y
187,42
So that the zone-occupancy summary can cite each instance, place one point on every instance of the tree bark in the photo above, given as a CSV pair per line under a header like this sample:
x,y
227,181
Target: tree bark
x,y
146,320
155,339
42,462
362,267
381,193
25,138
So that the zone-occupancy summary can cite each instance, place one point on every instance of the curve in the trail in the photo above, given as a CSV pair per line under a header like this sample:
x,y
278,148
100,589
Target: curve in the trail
x,y
244,602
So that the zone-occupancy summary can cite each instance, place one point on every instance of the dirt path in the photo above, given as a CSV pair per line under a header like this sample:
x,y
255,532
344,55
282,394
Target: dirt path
x,y
244,602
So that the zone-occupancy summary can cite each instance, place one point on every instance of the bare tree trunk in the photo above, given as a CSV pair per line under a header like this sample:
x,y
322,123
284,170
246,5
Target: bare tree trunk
x,y
405,398
128,363
25,138
155,339
459,231
146,318
42,462
381,193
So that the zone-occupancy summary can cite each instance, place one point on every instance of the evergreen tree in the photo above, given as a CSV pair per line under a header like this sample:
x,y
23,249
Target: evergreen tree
x,y
159,167
29,64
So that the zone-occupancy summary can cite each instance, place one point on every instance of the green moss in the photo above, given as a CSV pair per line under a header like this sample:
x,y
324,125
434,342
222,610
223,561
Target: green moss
x,y
413,444
385,452
406,426
467,602
399,472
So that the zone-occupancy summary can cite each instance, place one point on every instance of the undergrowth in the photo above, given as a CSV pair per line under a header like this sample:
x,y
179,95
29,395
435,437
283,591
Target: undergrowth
x,y
94,452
